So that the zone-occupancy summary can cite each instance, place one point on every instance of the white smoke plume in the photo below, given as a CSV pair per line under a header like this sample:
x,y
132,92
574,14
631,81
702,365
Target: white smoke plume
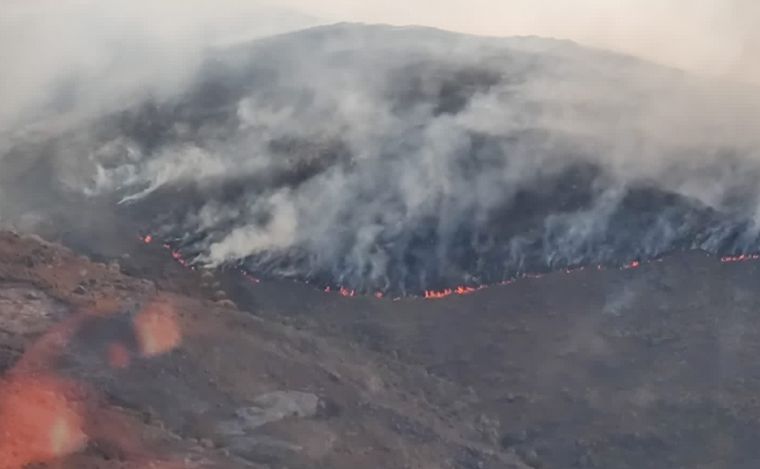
x,y
380,157
403,159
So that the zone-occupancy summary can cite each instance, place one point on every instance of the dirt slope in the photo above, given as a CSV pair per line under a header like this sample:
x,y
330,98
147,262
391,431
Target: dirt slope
x,y
147,362
106,370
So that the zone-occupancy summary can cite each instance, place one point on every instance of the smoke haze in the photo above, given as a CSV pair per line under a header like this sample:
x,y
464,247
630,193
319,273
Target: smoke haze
x,y
51,50
90,53
390,159
716,37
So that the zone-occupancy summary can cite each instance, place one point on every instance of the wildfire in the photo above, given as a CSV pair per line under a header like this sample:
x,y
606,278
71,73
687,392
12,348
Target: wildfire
x,y
346,292
632,265
740,258
177,256
463,290
460,290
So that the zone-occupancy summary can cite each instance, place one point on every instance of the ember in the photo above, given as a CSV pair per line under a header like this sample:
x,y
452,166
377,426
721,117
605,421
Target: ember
x,y
740,258
461,290
346,292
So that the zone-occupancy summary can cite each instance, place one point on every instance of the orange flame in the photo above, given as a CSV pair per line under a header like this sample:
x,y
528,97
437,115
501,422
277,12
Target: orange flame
x,y
347,292
177,256
740,258
461,290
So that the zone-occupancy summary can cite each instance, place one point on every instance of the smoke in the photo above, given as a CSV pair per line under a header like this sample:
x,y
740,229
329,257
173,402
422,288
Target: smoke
x,y
78,58
66,64
64,57
714,37
407,159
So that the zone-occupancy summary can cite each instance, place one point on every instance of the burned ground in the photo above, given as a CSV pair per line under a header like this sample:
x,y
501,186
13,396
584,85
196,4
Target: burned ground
x,y
595,368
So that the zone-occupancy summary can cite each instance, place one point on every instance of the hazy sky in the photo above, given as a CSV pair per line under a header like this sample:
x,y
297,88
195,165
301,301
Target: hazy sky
x,y
117,43
717,36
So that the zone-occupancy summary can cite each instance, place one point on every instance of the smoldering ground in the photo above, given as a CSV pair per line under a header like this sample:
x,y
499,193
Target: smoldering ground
x,y
402,160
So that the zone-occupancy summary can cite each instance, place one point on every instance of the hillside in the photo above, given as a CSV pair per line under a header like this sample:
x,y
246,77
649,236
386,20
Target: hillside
x,y
589,369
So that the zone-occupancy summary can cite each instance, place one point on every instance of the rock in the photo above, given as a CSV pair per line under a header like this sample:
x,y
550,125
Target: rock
x,y
26,310
227,303
269,408
220,295
32,295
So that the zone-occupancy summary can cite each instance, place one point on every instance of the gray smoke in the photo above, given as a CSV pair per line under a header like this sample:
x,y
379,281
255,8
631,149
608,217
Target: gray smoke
x,y
405,159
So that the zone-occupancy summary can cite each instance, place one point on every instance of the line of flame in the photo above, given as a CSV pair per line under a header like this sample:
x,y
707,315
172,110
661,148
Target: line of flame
x,y
461,290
